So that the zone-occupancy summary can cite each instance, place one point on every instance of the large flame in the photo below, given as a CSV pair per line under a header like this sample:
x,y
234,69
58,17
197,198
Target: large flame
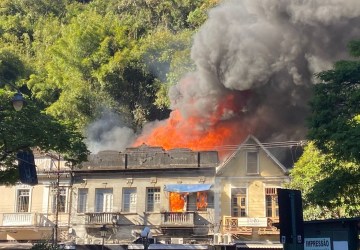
x,y
199,133
177,202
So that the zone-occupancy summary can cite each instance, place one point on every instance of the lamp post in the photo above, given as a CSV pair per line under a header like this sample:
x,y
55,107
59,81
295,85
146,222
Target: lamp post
x,y
103,231
145,235
18,100
24,156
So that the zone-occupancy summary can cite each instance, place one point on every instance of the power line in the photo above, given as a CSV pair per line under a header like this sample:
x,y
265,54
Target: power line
x,y
226,147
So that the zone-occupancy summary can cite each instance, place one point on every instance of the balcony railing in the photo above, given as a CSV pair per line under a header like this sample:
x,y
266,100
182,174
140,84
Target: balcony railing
x,y
177,219
19,219
28,219
101,218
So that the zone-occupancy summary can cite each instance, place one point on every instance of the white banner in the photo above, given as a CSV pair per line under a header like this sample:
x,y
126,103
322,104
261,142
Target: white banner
x,y
317,244
252,222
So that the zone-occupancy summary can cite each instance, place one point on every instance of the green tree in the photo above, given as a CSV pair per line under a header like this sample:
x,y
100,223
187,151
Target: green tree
x,y
199,14
334,123
328,173
143,16
167,56
11,66
94,65
327,191
79,57
70,82
19,21
31,128
83,56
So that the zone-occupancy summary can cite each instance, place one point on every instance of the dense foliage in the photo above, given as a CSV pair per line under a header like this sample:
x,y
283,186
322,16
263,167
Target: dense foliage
x,y
327,190
73,59
31,128
84,56
45,245
328,172
335,120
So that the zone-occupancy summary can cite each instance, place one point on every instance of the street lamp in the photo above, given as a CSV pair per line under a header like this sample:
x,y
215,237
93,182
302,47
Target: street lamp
x,y
26,164
103,231
18,100
145,236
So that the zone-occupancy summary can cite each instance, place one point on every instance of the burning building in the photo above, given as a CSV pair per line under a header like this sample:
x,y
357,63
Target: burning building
x,y
255,65
182,196
169,191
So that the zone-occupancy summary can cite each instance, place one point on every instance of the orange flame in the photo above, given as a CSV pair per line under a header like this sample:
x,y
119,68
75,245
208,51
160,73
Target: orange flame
x,y
180,132
177,202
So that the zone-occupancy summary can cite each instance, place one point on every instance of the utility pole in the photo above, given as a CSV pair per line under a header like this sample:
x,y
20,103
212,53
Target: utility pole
x,y
56,186
57,203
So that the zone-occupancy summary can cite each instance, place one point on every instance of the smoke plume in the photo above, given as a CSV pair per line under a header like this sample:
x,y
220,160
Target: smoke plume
x,y
255,64
109,132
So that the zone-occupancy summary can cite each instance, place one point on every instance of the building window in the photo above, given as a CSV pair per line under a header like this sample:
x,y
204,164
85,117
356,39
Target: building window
x,y
238,202
153,199
23,201
252,163
103,200
82,200
129,200
62,200
272,205
201,201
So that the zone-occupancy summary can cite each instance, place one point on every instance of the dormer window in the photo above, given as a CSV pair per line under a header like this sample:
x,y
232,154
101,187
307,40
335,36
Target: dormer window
x,y
252,162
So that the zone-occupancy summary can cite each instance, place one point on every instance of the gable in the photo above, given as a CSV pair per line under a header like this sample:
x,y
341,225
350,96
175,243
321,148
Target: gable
x,y
241,162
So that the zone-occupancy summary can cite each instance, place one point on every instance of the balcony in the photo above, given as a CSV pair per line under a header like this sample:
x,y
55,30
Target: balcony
x,y
177,219
101,218
24,219
19,219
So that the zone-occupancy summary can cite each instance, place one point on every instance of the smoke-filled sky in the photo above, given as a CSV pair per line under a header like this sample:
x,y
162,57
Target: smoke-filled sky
x,y
255,62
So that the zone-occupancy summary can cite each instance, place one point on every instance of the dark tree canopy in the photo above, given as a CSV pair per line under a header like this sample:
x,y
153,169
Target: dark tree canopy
x,y
334,127
74,59
335,120
30,128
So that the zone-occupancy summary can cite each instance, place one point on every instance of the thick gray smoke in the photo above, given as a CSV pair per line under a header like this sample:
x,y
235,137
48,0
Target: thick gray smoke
x,y
108,133
265,53
271,48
